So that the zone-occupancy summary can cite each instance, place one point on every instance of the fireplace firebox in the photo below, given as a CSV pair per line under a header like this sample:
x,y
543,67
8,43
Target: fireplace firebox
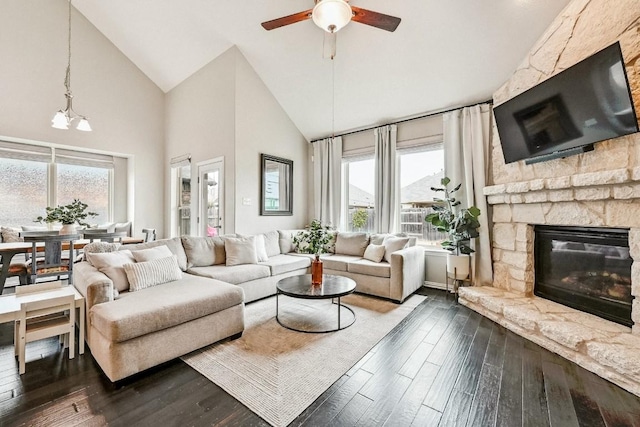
x,y
587,268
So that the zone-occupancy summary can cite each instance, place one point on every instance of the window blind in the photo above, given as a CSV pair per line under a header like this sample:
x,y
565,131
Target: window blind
x,y
17,150
80,158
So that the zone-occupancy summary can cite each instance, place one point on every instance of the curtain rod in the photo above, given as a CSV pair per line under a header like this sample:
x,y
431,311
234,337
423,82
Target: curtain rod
x,y
490,101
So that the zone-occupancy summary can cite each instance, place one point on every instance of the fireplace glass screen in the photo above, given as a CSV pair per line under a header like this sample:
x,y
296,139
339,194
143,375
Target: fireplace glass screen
x,y
585,268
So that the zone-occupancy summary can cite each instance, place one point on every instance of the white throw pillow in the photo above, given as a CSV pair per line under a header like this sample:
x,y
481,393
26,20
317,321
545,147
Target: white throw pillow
x,y
374,253
151,254
143,275
261,248
392,244
241,250
111,265
10,235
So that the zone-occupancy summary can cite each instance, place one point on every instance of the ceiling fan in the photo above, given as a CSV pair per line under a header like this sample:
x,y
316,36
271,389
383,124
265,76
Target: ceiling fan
x,y
331,15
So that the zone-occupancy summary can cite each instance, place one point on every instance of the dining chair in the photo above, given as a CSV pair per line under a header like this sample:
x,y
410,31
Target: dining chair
x,y
53,263
103,236
149,234
43,319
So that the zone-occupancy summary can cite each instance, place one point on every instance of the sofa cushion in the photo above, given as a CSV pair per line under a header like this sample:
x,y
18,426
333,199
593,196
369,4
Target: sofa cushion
x,y
286,240
271,243
145,274
352,243
111,264
374,253
150,254
203,251
392,244
370,268
174,244
281,264
161,307
240,250
232,274
338,262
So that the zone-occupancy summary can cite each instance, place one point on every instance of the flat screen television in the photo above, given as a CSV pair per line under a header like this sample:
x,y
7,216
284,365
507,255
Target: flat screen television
x,y
569,112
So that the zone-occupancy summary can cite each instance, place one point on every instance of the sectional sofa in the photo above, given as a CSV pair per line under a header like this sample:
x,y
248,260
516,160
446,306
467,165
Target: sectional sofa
x,y
152,302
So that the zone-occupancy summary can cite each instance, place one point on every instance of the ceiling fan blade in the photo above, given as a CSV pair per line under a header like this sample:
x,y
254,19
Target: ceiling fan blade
x,y
375,19
287,20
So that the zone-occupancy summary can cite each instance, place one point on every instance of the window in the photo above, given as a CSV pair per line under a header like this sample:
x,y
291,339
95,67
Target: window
x,y
37,176
420,169
24,191
89,184
181,196
359,176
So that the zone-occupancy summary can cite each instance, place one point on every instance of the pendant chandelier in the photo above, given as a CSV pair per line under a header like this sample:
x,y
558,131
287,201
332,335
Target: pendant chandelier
x,y
64,118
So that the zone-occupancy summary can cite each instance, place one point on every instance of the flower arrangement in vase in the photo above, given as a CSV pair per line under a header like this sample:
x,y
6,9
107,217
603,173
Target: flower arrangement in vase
x,y
316,240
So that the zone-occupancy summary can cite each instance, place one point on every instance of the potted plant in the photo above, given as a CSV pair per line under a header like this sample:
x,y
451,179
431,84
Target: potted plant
x,y
460,224
67,215
316,239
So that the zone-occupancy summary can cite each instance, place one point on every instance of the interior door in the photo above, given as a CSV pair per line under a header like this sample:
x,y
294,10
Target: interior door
x,y
211,211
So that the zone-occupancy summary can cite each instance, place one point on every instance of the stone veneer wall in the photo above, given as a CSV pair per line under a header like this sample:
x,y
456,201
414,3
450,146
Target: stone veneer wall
x,y
599,188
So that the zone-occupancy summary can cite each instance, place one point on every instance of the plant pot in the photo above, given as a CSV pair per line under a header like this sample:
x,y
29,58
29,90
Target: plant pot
x,y
458,266
316,271
68,229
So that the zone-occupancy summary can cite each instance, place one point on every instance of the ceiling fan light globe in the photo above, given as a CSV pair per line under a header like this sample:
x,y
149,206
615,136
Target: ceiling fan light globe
x,y
331,15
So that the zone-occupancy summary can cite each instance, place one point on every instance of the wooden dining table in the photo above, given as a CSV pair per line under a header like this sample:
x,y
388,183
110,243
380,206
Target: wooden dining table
x,y
10,249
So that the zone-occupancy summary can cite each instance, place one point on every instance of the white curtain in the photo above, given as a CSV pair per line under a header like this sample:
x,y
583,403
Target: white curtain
x,y
327,169
387,189
466,134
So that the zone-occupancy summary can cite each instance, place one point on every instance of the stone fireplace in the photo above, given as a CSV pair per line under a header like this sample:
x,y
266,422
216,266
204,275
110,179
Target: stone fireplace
x,y
606,200
598,189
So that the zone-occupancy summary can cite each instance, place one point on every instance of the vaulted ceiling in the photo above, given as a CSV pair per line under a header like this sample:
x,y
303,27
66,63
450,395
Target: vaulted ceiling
x,y
443,54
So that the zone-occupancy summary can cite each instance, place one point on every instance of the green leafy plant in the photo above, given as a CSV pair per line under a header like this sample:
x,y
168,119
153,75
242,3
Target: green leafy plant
x,y
461,224
359,219
316,239
72,213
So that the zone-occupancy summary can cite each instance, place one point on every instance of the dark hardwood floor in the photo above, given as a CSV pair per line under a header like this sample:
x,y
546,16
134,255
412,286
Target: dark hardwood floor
x,y
444,365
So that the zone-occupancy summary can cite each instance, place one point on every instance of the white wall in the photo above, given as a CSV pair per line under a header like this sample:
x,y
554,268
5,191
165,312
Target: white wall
x,y
225,110
262,126
125,107
200,120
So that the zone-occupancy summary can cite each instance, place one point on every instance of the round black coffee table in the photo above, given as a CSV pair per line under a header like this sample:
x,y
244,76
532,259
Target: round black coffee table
x,y
332,287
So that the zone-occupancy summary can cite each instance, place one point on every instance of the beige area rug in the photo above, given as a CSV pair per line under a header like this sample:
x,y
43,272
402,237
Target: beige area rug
x,y
278,373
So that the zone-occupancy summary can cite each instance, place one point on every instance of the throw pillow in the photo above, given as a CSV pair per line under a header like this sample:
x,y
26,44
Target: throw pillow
x,y
111,264
98,248
261,249
352,243
240,250
271,243
144,255
374,253
174,244
10,235
261,246
392,244
145,274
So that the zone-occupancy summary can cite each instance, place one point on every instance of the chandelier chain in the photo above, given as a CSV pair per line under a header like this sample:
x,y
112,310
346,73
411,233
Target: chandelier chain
x,y
67,79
